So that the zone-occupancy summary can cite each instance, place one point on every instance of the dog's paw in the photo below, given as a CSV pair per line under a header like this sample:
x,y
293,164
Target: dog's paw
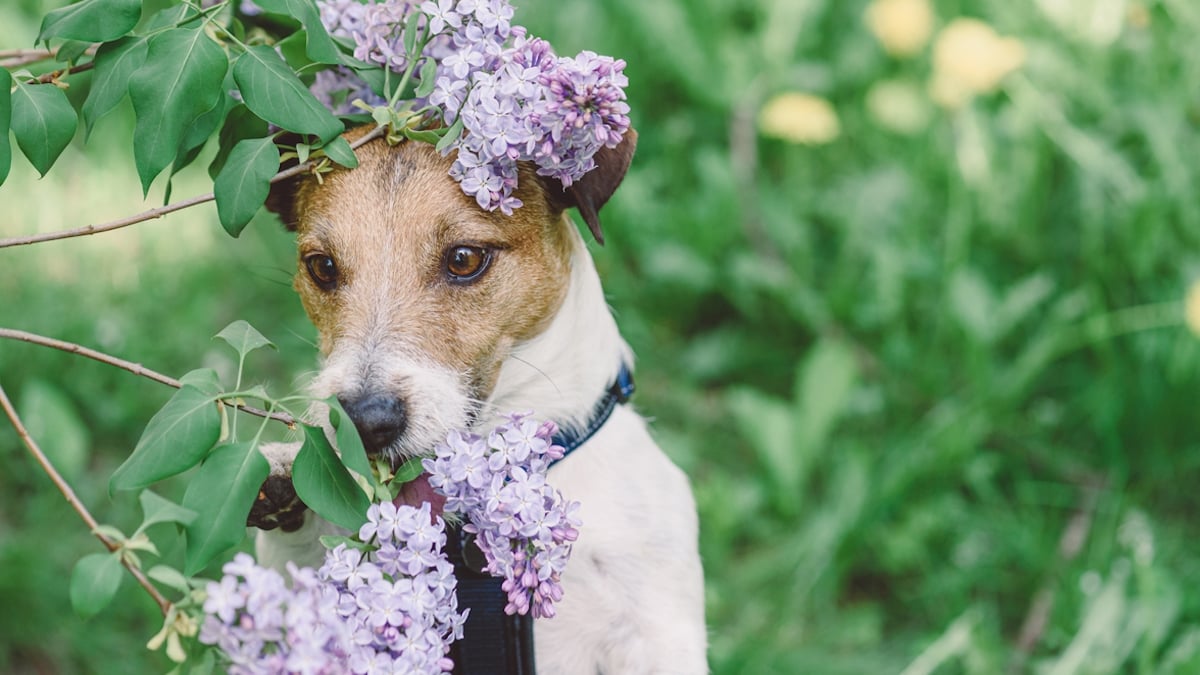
x,y
277,505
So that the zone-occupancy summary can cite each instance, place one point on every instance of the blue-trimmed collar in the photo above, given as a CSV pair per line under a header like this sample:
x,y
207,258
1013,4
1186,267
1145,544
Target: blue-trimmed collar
x,y
620,392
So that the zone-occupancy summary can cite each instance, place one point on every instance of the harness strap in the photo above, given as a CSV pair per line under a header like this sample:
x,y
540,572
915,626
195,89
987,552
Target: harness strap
x,y
619,392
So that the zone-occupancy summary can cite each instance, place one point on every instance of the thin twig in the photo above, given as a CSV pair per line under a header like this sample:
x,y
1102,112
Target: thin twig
x,y
169,208
74,501
1071,542
135,368
49,77
15,58
23,53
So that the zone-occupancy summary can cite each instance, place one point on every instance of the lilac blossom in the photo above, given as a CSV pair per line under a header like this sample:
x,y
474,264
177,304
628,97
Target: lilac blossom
x,y
393,610
517,100
389,604
523,526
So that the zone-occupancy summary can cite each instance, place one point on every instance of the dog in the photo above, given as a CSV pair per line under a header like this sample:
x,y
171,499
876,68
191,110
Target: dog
x,y
433,315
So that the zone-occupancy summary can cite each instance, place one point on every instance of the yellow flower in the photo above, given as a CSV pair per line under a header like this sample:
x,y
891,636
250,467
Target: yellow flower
x,y
969,58
899,106
1138,16
1191,308
175,624
901,26
799,118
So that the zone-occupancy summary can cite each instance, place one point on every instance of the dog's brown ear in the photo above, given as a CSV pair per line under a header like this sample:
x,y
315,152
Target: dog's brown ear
x,y
591,192
281,200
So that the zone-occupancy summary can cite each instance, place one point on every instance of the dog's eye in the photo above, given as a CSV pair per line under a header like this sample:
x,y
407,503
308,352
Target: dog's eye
x,y
322,269
466,263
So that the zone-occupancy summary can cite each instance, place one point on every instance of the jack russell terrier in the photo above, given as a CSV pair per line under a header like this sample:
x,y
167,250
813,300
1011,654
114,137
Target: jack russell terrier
x,y
434,315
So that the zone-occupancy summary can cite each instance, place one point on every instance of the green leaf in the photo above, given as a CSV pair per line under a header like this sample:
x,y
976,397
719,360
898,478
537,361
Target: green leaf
x,y
180,81
823,387
199,132
171,577
242,186
240,124
168,17
410,38
115,62
204,379
5,120
94,582
452,134
273,92
53,419
973,304
175,440
243,337
71,50
768,425
339,150
141,542
221,494
408,471
92,20
349,444
371,74
332,541
43,122
428,78
320,47
157,510
430,137
194,140
324,483
111,532
292,49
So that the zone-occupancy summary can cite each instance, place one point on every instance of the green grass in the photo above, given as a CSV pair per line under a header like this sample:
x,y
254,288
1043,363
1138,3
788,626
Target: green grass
x,y
903,371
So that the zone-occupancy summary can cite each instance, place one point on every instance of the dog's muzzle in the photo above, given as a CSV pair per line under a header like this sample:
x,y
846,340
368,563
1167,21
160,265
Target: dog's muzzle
x,y
380,419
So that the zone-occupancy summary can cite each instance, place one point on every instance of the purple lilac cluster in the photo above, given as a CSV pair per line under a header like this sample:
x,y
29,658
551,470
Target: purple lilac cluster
x,y
517,100
524,526
393,610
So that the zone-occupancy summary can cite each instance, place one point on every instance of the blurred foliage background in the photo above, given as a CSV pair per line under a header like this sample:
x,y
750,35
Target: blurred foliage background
x,y
908,282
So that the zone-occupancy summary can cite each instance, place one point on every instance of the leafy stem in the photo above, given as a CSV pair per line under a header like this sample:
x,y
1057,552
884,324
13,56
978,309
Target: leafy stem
x,y
135,368
69,494
413,57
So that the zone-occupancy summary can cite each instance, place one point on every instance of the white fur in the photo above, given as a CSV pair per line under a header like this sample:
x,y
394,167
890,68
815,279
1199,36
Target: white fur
x,y
633,600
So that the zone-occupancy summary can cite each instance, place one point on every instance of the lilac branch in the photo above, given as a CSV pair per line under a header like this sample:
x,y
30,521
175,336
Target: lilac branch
x,y
169,208
53,75
163,604
135,368
15,58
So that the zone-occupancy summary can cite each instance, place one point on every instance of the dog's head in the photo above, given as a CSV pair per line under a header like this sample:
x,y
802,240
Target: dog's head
x,y
418,295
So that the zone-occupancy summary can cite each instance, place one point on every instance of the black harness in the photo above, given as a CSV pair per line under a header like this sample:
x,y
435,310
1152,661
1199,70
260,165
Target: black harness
x,y
494,643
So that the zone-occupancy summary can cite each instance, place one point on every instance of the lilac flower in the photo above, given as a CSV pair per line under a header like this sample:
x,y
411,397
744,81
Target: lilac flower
x,y
518,102
342,18
354,615
523,525
380,37
441,14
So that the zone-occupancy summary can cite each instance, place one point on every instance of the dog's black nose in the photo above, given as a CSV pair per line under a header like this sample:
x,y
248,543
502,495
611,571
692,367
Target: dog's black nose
x,y
380,419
